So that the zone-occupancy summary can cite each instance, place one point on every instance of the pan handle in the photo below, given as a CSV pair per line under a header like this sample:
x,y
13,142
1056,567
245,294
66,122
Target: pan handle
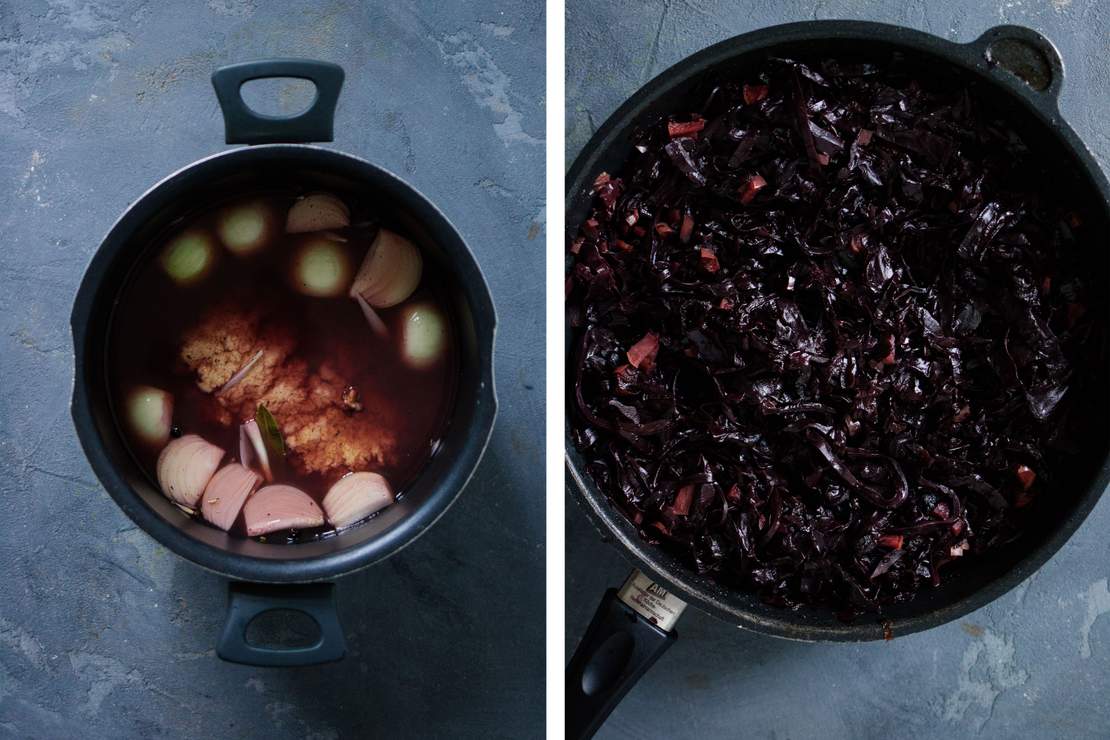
x,y
249,600
1023,59
245,126
630,630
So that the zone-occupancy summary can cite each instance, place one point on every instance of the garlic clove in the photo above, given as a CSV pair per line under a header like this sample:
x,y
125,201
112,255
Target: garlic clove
x,y
150,414
317,212
188,257
226,493
423,335
390,271
356,496
244,228
279,507
321,268
185,467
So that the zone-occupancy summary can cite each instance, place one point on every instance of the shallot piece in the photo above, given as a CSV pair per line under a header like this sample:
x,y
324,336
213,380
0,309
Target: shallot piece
x,y
244,228
240,374
356,496
150,414
279,507
423,335
189,256
185,467
317,212
321,268
252,450
226,493
390,271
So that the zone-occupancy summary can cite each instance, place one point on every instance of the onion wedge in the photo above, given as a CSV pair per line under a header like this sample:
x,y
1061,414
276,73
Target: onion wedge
x,y
276,508
356,496
390,272
226,493
317,212
185,467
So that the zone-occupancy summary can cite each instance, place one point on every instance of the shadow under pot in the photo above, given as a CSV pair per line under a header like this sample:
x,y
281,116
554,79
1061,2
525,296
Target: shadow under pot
x,y
141,302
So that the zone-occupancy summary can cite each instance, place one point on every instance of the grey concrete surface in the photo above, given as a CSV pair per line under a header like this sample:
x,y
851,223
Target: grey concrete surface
x,y
1036,663
105,634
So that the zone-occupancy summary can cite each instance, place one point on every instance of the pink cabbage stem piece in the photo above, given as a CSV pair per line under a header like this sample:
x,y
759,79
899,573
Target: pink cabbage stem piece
x,y
279,507
226,493
252,450
372,317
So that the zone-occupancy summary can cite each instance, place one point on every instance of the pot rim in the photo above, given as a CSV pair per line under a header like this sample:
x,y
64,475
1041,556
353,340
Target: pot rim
x,y
291,569
967,57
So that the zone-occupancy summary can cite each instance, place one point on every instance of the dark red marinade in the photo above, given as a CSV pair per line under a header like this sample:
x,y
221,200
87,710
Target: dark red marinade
x,y
830,329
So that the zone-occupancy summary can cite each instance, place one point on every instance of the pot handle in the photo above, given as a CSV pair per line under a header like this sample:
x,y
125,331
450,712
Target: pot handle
x,y
244,126
1023,58
249,600
630,630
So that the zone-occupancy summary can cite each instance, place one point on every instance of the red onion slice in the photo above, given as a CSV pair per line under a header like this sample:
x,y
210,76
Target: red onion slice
x,y
226,493
276,508
185,467
356,496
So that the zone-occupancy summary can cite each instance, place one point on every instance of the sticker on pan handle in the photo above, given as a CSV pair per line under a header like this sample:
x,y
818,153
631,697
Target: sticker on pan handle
x,y
651,601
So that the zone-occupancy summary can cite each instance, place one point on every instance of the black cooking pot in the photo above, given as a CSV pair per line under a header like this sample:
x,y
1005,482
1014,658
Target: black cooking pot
x,y
259,568
1019,72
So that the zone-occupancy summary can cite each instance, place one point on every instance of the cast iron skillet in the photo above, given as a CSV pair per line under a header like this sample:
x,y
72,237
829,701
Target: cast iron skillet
x,y
1022,73
257,567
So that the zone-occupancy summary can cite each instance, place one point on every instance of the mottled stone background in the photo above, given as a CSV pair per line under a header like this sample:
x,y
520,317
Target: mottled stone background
x,y
1036,664
102,632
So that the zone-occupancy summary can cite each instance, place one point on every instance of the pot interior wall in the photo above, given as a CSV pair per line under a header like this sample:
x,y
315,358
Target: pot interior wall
x,y
1065,176
206,182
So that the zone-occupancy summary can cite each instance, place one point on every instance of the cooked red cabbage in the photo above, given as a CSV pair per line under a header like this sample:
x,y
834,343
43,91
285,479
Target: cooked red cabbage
x,y
833,333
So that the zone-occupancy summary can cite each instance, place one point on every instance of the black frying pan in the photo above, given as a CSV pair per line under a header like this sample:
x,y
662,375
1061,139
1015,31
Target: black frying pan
x,y
1022,73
